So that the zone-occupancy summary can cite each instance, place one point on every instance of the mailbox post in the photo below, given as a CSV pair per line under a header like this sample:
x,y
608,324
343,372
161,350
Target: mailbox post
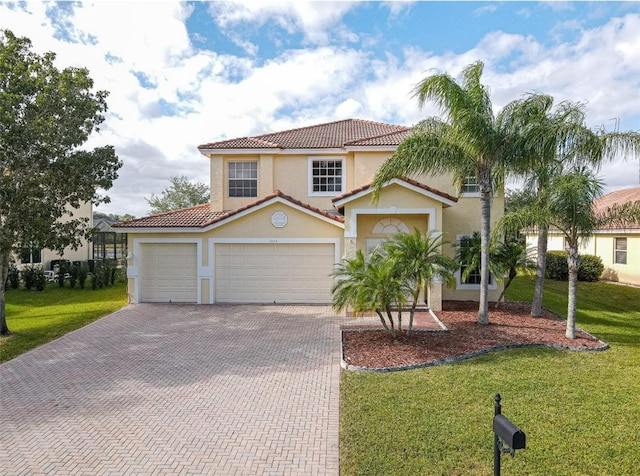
x,y
507,437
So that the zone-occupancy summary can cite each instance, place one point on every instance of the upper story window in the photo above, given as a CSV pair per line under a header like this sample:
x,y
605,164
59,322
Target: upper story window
x,y
326,176
620,250
243,179
470,186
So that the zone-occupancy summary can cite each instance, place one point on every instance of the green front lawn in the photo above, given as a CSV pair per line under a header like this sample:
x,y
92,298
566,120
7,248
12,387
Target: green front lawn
x,y
35,318
579,410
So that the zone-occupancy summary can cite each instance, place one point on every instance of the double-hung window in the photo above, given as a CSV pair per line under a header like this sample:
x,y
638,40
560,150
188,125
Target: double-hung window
x,y
470,186
243,179
326,176
620,250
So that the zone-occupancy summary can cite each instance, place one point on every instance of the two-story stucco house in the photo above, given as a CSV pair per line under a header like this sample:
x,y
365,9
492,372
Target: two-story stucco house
x,y
285,207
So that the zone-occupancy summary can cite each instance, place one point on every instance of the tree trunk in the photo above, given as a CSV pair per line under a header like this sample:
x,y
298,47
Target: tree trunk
x,y
541,264
384,323
485,230
4,272
512,275
573,261
412,311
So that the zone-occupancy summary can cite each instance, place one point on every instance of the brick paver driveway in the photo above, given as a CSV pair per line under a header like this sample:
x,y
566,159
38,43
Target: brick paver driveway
x,y
178,389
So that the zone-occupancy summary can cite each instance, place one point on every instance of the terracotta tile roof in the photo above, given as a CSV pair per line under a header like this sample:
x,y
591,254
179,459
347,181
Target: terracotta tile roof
x,y
415,183
201,216
336,134
618,197
392,138
184,218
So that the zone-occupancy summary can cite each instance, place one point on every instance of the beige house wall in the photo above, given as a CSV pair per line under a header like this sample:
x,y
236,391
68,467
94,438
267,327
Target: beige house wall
x,y
301,227
602,245
464,219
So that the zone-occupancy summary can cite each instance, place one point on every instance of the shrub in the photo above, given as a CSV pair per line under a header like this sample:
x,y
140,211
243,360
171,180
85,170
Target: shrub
x,y
83,272
74,270
28,277
591,268
557,267
39,279
63,269
13,277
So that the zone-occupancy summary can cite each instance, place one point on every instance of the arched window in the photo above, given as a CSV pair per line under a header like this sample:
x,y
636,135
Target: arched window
x,y
390,226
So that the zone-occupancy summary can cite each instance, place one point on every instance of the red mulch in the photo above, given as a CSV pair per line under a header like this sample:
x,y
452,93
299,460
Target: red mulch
x,y
510,325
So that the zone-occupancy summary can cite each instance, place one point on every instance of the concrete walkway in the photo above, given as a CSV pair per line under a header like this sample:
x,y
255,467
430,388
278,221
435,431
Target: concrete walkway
x,y
178,389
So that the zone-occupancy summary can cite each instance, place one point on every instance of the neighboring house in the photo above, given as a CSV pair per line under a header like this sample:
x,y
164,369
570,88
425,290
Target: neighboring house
x,y
285,207
619,248
36,255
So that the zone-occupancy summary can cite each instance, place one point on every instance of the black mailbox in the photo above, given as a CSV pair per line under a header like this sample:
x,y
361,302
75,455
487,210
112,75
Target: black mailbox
x,y
511,435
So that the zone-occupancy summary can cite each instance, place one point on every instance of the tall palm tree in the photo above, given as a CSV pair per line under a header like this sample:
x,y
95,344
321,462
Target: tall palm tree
x,y
569,209
554,140
419,261
469,141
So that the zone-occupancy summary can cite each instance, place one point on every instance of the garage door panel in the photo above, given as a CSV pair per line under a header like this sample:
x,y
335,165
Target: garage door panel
x,y
283,272
168,272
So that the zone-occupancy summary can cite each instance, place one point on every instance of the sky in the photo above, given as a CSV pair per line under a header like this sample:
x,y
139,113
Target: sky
x,y
180,74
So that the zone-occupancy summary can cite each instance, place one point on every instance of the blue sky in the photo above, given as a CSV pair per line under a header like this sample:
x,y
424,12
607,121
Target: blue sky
x,y
182,74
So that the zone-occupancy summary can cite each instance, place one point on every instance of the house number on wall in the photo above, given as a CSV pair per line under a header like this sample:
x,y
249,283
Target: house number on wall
x,y
279,219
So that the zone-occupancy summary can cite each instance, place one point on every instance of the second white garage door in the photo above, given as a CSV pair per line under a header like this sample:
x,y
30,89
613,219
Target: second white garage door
x,y
269,272
168,272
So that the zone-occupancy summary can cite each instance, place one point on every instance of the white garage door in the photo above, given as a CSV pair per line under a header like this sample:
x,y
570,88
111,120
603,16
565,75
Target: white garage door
x,y
267,273
168,272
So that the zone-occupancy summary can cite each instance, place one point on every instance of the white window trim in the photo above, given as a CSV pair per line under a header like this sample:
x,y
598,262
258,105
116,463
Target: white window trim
x,y
471,194
493,282
332,158
615,250
228,168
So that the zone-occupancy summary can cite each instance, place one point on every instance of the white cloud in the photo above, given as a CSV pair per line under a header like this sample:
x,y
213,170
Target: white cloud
x,y
314,19
212,95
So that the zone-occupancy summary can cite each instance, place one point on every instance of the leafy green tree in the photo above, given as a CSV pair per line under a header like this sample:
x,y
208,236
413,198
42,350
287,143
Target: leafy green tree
x,y
471,141
113,216
181,194
555,139
46,116
418,261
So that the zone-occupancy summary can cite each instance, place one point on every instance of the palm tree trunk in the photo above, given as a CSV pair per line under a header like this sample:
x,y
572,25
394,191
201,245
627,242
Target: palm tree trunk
x,y
512,274
4,272
384,323
485,230
573,261
541,265
391,328
412,311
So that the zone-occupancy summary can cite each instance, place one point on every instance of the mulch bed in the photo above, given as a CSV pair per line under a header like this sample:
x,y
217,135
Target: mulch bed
x,y
509,326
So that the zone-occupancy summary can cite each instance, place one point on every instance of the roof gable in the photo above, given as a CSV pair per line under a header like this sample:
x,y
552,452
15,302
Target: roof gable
x,y
444,198
338,134
201,217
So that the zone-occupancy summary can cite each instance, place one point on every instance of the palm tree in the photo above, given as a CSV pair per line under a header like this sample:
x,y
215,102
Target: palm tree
x,y
419,261
370,285
511,256
554,140
569,209
470,142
